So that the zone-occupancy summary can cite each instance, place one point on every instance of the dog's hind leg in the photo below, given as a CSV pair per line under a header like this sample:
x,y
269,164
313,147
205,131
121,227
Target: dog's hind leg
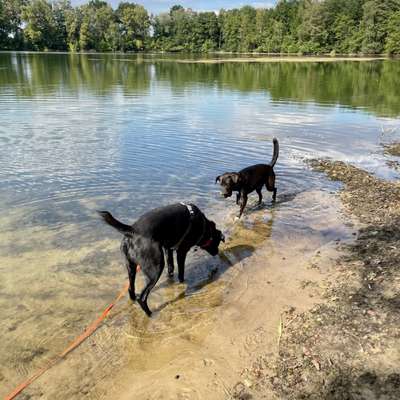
x,y
152,273
170,262
270,185
131,267
258,190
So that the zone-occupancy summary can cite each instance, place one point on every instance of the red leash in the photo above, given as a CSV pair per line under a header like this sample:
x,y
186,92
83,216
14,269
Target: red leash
x,y
79,340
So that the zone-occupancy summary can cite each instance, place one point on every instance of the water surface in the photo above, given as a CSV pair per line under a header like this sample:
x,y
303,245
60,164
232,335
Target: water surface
x,y
127,133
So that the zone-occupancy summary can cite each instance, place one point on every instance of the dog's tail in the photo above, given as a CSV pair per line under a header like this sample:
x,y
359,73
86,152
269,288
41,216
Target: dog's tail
x,y
119,226
276,152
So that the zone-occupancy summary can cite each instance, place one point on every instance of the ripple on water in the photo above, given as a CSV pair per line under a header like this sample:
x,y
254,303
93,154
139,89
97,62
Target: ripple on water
x,y
79,143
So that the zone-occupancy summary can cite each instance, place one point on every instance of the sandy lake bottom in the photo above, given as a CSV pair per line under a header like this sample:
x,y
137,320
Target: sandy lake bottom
x,y
202,331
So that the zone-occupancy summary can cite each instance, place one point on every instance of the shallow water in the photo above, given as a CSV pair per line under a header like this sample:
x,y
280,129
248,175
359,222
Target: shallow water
x,y
128,133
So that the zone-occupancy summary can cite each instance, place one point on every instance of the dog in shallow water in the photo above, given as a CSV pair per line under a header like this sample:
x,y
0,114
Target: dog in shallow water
x,y
175,227
249,179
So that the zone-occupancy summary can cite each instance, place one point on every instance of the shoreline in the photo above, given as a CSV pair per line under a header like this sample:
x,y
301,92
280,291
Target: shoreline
x,y
227,57
346,347
277,280
277,59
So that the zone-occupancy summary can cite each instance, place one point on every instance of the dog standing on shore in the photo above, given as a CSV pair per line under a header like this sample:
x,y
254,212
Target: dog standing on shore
x,y
175,227
249,179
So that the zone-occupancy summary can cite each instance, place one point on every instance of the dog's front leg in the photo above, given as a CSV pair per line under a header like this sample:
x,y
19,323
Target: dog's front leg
x,y
243,202
181,258
237,198
170,262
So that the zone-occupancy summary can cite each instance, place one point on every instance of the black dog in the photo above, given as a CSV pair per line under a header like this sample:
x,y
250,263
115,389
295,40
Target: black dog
x,y
249,179
177,226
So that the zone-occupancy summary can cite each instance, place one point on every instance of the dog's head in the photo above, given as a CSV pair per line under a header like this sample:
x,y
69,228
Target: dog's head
x,y
212,239
229,182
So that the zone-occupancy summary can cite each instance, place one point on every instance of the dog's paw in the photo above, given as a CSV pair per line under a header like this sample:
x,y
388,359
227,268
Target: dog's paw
x,y
144,307
132,296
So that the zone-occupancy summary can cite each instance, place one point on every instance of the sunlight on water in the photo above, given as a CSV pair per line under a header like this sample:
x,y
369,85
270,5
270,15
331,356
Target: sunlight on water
x,y
85,132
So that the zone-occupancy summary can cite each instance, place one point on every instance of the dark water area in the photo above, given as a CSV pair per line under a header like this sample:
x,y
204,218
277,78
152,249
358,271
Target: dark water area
x,y
126,133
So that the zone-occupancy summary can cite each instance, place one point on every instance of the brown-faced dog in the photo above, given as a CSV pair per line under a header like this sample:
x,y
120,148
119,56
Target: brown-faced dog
x,y
175,227
249,179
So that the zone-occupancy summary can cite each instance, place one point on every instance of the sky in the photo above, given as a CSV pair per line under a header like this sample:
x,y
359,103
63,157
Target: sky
x,y
158,6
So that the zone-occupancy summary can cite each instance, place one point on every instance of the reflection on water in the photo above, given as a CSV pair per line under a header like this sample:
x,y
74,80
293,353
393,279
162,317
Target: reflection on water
x,y
367,85
128,133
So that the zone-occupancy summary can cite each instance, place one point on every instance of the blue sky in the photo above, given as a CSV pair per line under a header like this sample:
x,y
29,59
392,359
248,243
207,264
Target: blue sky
x,y
157,6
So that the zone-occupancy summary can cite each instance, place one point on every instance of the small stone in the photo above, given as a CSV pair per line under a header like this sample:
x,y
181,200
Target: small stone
x,y
247,382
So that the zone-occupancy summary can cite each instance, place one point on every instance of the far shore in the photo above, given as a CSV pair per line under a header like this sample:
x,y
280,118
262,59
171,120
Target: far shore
x,y
269,59
222,57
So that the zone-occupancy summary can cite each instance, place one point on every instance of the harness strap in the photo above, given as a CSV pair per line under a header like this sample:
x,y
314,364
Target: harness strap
x,y
202,233
192,215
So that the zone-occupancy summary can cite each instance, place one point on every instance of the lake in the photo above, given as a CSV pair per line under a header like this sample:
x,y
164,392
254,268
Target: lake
x,y
127,133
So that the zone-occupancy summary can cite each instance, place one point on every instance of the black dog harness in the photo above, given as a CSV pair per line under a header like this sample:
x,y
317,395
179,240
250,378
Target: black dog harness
x,y
192,212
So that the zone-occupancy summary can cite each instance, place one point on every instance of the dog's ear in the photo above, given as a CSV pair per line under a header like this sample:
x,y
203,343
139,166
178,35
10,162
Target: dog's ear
x,y
236,178
218,179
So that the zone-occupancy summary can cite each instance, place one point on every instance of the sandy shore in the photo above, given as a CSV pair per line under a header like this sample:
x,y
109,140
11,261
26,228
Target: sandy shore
x,y
269,59
320,321
284,277
346,347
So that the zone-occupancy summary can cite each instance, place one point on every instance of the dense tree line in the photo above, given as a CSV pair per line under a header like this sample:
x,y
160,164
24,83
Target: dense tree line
x,y
292,26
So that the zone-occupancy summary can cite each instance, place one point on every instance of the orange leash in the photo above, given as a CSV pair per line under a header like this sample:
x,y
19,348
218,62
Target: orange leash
x,y
81,338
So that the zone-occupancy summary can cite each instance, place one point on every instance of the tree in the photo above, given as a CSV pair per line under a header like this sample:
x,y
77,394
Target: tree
x,y
41,27
343,30
247,30
230,27
134,25
312,32
97,27
376,14
11,32
60,8
162,31
205,32
73,24
308,26
392,45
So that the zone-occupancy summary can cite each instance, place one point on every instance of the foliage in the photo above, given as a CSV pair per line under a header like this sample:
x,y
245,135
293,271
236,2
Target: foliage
x,y
134,23
41,29
11,35
292,26
393,37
